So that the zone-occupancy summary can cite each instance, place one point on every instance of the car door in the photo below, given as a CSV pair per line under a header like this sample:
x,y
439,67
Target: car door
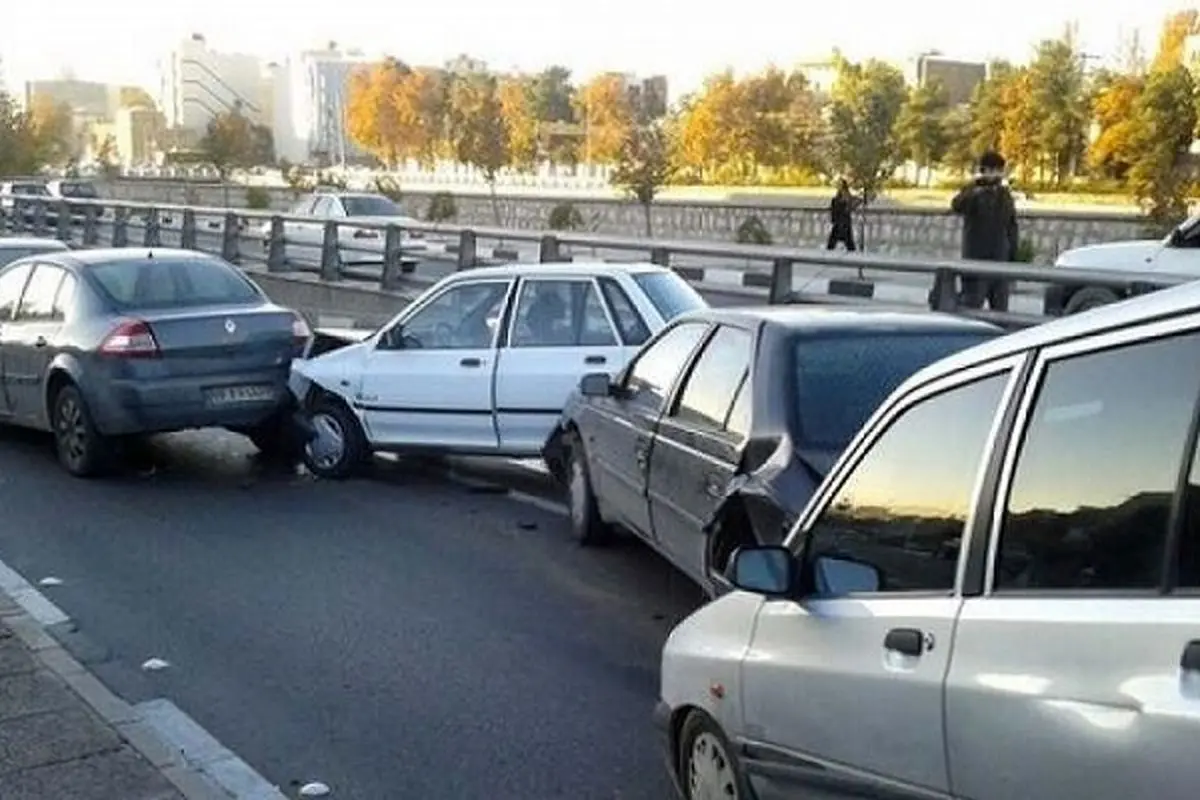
x,y
695,453
428,380
33,339
1083,651
310,235
12,286
559,331
842,691
298,239
618,432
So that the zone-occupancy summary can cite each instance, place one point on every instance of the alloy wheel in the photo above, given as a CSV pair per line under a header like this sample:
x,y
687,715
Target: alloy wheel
x,y
328,447
71,431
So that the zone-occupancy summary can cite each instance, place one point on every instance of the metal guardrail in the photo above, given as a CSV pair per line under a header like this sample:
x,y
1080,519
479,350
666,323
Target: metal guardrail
x,y
767,271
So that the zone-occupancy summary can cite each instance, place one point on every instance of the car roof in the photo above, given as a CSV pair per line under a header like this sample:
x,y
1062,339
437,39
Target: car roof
x,y
569,269
825,319
83,259
32,243
1160,304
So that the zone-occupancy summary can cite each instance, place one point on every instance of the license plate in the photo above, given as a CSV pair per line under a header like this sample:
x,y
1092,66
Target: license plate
x,y
235,395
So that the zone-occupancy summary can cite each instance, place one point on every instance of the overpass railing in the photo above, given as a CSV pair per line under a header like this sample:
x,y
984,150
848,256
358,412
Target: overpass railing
x,y
398,256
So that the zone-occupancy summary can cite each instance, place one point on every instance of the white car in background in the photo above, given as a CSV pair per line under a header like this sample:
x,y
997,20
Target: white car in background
x,y
356,244
482,363
1176,254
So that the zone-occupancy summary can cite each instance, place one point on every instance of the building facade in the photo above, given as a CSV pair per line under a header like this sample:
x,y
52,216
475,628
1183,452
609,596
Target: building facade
x,y
200,83
311,97
960,78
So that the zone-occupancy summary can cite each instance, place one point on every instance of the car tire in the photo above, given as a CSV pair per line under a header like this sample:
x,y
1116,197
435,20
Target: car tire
x,y
339,446
82,450
586,524
1089,297
707,763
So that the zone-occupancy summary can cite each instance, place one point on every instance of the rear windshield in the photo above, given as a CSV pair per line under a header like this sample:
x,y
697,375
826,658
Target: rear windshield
x,y
30,188
370,206
841,381
669,293
84,190
166,283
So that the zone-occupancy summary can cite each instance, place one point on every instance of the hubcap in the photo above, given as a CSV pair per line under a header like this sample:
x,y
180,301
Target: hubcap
x,y
579,492
710,775
328,447
70,430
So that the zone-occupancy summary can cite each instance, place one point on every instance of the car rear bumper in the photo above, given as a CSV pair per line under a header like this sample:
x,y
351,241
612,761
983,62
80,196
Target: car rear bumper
x,y
123,407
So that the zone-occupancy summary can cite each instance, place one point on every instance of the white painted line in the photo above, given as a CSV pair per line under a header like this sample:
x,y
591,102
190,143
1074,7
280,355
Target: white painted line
x,y
204,753
36,604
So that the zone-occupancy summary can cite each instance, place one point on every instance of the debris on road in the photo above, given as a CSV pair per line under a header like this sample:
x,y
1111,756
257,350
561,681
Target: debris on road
x,y
50,580
154,665
314,789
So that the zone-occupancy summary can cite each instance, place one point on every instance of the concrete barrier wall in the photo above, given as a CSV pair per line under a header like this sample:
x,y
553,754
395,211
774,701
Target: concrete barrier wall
x,y
902,232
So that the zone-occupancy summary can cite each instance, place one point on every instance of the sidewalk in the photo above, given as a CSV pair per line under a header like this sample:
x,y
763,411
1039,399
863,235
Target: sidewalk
x,y
64,736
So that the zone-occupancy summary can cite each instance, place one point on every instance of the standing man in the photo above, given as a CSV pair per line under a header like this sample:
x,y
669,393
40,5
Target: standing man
x,y
989,230
841,218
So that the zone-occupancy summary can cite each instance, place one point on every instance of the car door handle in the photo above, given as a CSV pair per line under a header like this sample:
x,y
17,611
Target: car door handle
x,y
909,641
40,341
471,362
1190,660
595,360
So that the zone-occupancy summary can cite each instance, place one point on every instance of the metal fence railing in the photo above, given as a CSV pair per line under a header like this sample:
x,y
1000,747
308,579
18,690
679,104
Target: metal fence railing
x,y
397,256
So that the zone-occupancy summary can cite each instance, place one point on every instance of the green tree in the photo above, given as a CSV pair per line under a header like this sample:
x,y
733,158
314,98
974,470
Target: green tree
x,y
106,157
959,155
554,95
478,133
1164,120
867,99
232,141
1057,98
921,131
989,108
20,153
644,167
1020,130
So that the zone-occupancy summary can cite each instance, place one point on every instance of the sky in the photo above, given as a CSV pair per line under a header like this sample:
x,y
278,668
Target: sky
x,y
122,41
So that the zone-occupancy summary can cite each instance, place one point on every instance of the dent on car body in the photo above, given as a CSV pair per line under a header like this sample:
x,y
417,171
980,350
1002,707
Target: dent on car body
x,y
327,364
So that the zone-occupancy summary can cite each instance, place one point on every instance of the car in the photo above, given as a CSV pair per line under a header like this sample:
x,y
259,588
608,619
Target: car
x,y
483,362
68,189
100,345
16,247
993,594
1176,254
357,245
20,190
717,433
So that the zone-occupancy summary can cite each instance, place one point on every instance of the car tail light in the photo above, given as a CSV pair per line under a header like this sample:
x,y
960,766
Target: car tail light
x,y
364,234
301,333
130,339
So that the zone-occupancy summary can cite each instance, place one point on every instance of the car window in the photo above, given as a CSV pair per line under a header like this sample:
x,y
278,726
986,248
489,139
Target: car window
x,y
903,507
633,328
321,207
371,206
302,206
561,314
65,296
463,317
1091,491
655,368
670,294
159,283
334,207
12,282
709,391
37,304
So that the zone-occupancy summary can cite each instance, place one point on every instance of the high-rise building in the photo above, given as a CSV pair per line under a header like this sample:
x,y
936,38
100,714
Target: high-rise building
x,y
312,94
957,76
200,83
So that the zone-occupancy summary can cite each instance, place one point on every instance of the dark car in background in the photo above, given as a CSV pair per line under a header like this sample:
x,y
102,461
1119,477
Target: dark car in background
x,y
717,434
99,345
68,189
24,193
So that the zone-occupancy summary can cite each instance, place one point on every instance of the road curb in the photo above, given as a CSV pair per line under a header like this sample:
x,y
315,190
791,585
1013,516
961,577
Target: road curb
x,y
118,714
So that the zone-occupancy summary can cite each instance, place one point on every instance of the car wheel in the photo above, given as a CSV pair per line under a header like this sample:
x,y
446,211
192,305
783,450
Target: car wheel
x,y
338,446
586,525
1088,298
82,450
707,763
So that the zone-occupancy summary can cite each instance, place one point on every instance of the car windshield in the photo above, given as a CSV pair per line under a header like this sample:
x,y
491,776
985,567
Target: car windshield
x,y
172,283
371,206
84,190
669,293
36,189
840,381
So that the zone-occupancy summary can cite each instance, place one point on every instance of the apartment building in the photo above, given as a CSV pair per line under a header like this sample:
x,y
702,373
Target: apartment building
x,y
200,82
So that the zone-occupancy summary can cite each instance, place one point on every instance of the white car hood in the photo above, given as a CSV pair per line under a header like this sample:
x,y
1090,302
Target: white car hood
x,y
1132,256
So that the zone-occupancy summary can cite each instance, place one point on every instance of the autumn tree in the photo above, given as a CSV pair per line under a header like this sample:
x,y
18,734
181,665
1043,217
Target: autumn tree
x,y
783,118
1175,31
644,167
921,130
1164,119
372,119
867,99
1114,99
715,129
519,106
1019,129
479,135
989,108
54,130
603,107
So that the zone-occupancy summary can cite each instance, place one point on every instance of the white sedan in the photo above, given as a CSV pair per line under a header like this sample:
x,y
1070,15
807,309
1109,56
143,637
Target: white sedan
x,y
483,362
347,208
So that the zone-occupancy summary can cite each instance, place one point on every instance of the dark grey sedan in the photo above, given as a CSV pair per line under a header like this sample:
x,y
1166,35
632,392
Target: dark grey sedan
x,y
100,345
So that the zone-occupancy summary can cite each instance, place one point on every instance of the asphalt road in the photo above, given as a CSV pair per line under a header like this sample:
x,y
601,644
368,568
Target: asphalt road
x,y
406,634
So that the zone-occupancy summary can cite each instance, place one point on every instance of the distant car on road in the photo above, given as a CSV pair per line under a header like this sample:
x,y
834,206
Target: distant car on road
x,y
357,244
97,345
717,433
483,362
1176,254
68,189
12,191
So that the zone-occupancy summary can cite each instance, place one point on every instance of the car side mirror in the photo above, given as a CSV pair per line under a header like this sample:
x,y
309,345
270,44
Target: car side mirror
x,y
393,338
596,384
833,577
768,570
1176,238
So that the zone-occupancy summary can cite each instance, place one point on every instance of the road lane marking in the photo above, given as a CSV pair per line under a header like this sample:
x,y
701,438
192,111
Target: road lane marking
x,y
36,604
542,503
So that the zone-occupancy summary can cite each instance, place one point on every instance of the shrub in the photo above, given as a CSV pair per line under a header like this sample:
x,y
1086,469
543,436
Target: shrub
x,y
753,231
441,208
1026,252
565,217
257,197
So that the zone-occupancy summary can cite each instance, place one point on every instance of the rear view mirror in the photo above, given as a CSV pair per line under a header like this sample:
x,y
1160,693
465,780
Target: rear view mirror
x,y
595,384
769,570
833,577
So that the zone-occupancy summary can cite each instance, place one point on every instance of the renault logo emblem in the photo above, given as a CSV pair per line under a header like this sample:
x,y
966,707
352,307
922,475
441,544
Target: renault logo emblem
x,y
230,326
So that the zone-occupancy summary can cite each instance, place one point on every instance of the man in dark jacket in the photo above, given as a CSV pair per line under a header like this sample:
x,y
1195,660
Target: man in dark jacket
x,y
989,230
841,218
